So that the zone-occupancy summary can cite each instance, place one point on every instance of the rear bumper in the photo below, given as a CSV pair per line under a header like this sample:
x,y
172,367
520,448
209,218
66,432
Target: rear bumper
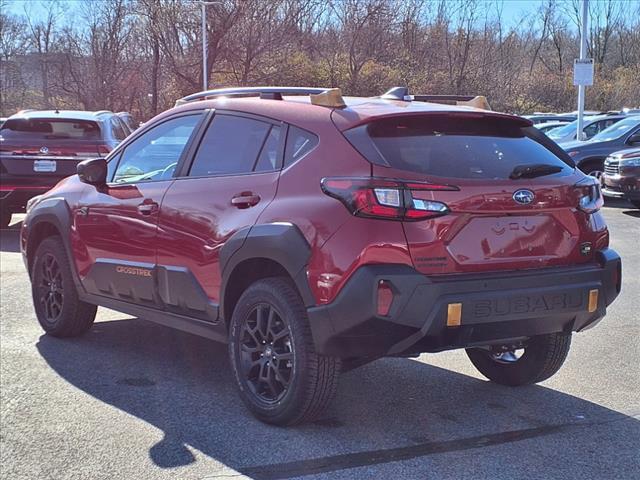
x,y
496,308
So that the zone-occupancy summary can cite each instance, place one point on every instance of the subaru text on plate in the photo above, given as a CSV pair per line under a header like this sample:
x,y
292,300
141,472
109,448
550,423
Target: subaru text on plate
x,y
315,234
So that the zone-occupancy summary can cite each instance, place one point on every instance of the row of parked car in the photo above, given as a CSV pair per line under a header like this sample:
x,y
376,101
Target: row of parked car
x,y
38,148
611,151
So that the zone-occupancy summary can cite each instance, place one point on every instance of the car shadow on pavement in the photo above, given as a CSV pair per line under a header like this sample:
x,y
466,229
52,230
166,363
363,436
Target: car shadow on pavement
x,y
390,410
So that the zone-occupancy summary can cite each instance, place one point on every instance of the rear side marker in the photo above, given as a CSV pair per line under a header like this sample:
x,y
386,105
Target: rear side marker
x,y
593,300
454,314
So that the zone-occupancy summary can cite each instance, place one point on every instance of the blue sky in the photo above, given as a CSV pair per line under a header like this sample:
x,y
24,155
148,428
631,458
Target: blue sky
x,y
513,11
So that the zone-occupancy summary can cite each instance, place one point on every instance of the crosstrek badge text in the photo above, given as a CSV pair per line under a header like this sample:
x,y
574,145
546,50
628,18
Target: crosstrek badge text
x,y
142,272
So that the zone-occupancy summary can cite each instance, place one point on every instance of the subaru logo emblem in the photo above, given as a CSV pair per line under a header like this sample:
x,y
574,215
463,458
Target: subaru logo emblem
x,y
44,150
524,197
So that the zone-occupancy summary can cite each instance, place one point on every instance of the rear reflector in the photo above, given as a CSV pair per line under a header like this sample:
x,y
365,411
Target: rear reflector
x,y
385,298
593,300
454,314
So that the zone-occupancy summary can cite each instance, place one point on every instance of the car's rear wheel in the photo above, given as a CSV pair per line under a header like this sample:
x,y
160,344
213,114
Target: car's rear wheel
x,y
55,298
538,359
281,378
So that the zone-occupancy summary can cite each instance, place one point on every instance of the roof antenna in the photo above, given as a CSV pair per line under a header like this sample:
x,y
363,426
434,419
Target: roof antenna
x,y
56,110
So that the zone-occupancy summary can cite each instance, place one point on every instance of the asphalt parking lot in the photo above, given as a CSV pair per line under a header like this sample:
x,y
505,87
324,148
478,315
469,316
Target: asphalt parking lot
x,y
136,400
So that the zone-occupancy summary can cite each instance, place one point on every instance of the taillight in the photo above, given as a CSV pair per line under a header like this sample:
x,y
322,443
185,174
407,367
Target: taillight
x,y
386,198
589,195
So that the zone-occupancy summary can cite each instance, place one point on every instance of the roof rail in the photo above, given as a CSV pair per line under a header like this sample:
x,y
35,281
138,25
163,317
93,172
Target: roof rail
x,y
402,94
268,93
102,112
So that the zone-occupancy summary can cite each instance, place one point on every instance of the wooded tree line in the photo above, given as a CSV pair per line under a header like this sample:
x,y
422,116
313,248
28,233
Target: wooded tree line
x,y
141,55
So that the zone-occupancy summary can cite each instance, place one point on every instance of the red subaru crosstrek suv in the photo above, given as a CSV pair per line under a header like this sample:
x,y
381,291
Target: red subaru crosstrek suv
x,y
315,234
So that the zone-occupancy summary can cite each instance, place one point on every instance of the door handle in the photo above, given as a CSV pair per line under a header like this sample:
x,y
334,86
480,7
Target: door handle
x,y
245,200
147,208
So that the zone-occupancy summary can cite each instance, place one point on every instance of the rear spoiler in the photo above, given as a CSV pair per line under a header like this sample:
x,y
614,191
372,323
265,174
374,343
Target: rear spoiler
x,y
402,94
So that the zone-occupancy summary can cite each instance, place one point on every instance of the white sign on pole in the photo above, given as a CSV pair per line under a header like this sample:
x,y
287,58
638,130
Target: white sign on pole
x,y
583,71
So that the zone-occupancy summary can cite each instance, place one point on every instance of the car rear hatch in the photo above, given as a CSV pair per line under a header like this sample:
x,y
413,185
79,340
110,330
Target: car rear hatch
x,y
47,149
479,193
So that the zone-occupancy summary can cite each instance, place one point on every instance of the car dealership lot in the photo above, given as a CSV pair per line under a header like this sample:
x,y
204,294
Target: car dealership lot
x,y
132,399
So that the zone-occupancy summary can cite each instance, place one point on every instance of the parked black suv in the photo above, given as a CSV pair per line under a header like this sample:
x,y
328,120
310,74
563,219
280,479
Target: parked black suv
x,y
38,148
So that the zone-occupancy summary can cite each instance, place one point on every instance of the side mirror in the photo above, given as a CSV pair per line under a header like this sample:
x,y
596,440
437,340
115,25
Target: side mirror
x,y
633,139
93,171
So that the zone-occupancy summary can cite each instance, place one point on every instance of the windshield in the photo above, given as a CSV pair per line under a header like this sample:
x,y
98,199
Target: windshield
x,y
560,132
617,130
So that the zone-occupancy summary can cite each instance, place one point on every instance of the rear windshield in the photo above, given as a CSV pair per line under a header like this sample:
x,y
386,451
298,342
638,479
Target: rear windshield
x,y
48,129
450,147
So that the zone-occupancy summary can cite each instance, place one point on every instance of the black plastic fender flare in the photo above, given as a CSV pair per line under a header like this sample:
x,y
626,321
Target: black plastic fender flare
x,y
56,211
281,242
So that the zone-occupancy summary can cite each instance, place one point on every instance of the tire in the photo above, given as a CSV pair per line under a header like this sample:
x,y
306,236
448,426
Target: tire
x,y
280,377
593,168
543,356
55,298
5,218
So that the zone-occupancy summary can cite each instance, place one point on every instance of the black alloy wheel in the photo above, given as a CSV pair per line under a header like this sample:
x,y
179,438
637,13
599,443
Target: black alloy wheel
x,y
266,353
280,377
58,307
50,288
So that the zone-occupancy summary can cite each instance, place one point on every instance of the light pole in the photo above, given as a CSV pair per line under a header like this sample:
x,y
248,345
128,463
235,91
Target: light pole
x,y
204,4
583,56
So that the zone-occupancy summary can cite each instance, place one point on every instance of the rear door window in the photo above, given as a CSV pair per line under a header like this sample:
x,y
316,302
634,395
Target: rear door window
x,y
450,147
28,129
235,145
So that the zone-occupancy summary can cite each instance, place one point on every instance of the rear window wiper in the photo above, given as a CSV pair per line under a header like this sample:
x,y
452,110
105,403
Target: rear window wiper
x,y
534,170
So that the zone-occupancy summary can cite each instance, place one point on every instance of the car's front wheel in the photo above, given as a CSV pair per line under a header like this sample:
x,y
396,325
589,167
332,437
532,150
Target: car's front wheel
x,y
540,358
60,311
281,378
